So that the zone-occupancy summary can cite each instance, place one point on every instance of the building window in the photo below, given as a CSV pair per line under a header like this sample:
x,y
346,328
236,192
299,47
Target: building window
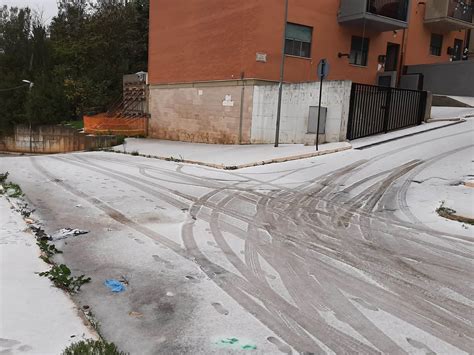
x,y
359,51
298,40
436,44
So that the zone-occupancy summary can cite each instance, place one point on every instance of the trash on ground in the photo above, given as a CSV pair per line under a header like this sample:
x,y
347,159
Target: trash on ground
x,y
236,344
11,192
135,314
114,285
123,280
67,232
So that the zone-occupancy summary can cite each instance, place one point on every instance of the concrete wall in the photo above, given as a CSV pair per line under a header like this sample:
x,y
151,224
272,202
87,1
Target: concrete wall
x,y
206,114
297,98
453,78
52,139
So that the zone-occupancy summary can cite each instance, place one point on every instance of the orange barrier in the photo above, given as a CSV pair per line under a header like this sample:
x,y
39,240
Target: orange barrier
x,y
101,124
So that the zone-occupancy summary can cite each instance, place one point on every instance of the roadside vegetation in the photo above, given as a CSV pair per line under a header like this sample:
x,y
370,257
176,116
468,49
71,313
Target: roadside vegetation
x,y
92,347
451,214
59,274
76,62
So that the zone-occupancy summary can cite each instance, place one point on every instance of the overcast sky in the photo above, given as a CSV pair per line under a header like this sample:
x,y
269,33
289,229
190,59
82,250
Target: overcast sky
x,y
47,7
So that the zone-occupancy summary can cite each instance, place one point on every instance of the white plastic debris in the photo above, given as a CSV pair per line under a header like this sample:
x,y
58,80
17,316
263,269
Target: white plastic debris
x,y
67,232
11,192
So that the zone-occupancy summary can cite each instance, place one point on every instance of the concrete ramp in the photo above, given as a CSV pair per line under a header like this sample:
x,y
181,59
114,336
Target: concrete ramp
x,y
453,101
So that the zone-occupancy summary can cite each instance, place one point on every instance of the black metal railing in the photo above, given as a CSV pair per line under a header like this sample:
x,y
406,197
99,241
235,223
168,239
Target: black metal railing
x,y
378,109
396,9
461,10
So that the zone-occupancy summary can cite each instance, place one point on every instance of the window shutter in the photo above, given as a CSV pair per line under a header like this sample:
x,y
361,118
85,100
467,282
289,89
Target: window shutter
x,y
299,33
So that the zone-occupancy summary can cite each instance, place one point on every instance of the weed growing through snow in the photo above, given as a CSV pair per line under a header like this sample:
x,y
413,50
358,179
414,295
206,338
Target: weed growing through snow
x,y
449,213
60,275
92,347
47,250
3,178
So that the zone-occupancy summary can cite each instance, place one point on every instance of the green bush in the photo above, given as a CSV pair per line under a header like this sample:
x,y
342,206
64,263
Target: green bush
x,y
92,347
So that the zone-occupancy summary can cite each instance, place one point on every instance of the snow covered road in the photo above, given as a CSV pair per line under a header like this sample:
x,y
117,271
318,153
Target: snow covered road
x,y
335,254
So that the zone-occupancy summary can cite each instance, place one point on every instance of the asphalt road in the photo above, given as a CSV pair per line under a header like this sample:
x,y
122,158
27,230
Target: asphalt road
x,y
333,254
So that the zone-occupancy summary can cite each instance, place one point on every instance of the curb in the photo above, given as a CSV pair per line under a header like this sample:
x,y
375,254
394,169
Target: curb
x,y
242,166
408,135
431,120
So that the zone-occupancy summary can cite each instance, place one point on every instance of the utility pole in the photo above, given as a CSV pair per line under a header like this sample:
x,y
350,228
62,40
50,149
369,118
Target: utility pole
x,y
282,74
30,84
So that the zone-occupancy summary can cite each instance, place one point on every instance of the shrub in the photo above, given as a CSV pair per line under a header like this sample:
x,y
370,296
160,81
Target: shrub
x,y
92,347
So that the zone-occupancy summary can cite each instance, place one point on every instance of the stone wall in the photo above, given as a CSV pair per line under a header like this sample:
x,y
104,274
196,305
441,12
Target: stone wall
x,y
296,102
49,139
204,114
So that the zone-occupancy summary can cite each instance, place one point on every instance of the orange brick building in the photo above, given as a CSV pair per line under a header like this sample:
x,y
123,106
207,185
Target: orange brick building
x,y
202,51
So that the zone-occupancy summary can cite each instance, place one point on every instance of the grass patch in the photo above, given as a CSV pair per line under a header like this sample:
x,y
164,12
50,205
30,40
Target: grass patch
x,y
75,124
92,347
61,276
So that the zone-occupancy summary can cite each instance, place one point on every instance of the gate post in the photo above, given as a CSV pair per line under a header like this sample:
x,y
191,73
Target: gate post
x,y
387,110
350,119
422,108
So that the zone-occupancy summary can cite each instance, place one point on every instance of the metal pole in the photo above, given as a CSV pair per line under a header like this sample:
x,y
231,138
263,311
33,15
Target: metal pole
x,y
319,111
242,97
282,73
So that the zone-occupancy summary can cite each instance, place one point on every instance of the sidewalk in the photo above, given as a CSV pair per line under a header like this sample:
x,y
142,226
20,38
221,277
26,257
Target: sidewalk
x,y
35,317
367,142
226,156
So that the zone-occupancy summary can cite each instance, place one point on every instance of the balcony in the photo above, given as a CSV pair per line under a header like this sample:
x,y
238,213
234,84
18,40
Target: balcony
x,y
449,15
374,15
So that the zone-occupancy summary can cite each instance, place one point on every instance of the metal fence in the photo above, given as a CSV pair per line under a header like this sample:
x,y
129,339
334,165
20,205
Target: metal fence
x,y
378,109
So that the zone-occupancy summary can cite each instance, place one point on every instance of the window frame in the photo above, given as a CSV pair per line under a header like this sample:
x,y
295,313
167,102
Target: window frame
x,y
435,50
291,41
362,52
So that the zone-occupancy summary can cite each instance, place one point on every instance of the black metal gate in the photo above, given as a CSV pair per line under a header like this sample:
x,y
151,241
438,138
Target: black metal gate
x,y
378,109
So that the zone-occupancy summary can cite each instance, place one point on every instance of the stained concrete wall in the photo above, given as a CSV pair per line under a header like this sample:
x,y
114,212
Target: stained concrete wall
x,y
52,139
129,127
200,113
296,101
453,78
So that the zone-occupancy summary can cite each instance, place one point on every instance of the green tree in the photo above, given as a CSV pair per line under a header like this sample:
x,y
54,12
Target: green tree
x,y
76,63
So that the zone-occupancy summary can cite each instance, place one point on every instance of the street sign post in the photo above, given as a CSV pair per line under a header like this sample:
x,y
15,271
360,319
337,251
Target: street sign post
x,y
323,72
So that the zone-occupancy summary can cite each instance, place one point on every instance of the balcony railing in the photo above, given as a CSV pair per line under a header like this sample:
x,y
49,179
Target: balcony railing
x,y
396,9
461,10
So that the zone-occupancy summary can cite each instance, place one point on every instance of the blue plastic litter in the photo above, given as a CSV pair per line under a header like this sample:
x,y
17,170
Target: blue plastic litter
x,y
114,285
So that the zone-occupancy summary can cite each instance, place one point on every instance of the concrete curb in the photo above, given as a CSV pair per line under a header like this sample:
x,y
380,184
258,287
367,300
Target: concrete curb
x,y
431,120
242,166
370,145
